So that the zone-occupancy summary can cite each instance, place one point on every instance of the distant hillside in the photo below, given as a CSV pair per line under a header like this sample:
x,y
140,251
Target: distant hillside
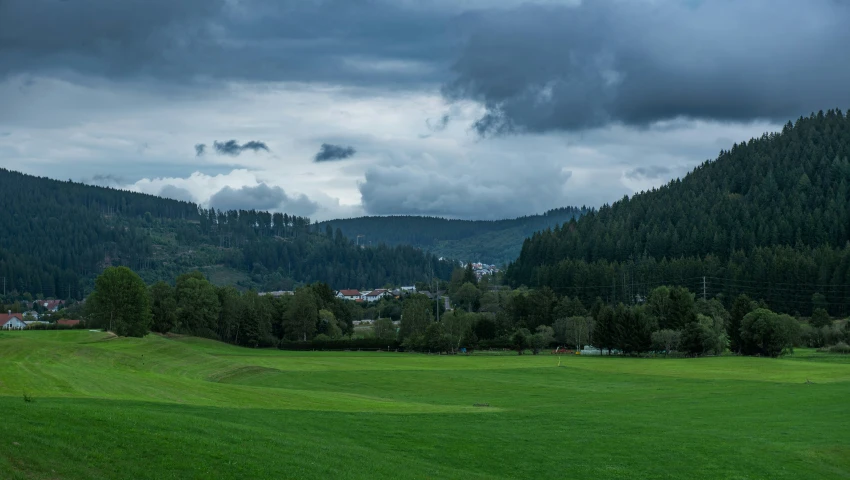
x,y
770,218
495,242
56,236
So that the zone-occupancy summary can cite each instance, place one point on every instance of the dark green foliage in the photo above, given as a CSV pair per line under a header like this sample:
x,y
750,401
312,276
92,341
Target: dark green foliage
x,y
605,332
300,321
666,341
384,329
745,221
120,303
633,329
469,275
820,318
673,308
740,308
311,257
57,233
416,317
468,297
767,333
228,314
819,302
570,307
255,320
485,328
696,339
198,305
496,242
521,339
163,307
543,337
436,339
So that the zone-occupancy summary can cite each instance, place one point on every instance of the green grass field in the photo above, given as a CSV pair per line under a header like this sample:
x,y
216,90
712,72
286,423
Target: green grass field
x,y
188,408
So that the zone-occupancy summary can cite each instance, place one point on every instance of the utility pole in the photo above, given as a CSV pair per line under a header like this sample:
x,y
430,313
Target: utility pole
x,y
703,287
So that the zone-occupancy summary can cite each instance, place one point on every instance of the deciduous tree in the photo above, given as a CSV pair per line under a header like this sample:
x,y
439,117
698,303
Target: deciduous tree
x,y
120,302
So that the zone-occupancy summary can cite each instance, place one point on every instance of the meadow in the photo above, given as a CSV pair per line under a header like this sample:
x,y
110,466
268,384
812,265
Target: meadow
x,y
103,407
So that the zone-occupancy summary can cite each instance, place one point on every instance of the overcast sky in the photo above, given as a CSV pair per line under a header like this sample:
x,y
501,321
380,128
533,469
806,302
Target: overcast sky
x,y
459,108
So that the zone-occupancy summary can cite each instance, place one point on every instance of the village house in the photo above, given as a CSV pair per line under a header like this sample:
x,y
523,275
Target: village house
x,y
376,295
349,295
12,321
51,305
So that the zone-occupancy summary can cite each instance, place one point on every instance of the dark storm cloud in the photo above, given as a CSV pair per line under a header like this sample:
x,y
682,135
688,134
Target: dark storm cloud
x,y
348,41
262,197
536,67
329,152
544,68
200,150
234,149
650,172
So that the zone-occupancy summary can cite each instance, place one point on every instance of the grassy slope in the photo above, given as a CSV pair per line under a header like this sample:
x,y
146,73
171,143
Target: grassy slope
x,y
189,408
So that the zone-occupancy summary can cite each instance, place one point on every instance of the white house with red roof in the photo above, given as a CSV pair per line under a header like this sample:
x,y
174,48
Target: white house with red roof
x,y
376,295
12,321
349,295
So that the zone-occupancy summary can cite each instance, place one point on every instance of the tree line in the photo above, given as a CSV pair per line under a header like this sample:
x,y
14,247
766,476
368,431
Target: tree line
x,y
670,321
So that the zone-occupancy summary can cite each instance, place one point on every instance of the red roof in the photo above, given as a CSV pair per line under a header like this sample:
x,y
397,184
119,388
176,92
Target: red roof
x,y
350,293
5,318
68,323
376,293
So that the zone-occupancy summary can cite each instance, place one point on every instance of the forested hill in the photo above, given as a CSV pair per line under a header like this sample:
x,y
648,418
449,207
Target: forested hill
x,y
57,236
770,217
496,242
55,233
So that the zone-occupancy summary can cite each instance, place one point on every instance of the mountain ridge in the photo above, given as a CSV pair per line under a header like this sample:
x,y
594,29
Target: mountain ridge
x,y
488,241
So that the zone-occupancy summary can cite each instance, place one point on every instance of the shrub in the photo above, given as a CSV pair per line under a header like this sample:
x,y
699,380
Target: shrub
x,y
767,333
696,339
666,340
840,347
820,318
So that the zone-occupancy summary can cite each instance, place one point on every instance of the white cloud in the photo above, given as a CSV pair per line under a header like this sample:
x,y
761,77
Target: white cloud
x,y
110,130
